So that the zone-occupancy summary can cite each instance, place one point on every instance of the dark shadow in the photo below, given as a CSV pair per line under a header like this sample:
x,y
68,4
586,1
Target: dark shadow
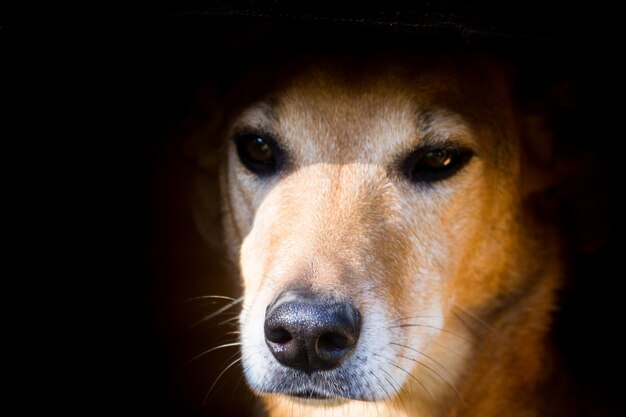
x,y
103,180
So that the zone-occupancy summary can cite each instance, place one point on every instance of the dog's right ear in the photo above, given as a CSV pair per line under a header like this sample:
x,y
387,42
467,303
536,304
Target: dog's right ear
x,y
203,126
203,130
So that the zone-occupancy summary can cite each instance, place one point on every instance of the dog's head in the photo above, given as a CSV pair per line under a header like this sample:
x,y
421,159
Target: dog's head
x,y
376,213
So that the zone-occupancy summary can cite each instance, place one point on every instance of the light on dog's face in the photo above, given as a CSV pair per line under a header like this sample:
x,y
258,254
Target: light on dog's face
x,y
359,208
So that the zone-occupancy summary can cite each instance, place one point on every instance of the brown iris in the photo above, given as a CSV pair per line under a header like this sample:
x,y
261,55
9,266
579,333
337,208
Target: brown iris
x,y
429,164
438,159
258,153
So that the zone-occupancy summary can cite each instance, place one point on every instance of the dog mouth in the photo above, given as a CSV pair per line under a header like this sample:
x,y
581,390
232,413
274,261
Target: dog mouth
x,y
316,388
312,394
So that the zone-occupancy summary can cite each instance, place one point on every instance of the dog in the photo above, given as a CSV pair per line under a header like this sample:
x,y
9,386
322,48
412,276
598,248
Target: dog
x,y
380,211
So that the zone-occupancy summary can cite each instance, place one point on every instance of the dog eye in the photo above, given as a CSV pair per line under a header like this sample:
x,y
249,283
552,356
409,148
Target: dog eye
x,y
435,164
259,154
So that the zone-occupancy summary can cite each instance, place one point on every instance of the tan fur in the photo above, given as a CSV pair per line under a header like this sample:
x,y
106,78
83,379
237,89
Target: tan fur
x,y
464,260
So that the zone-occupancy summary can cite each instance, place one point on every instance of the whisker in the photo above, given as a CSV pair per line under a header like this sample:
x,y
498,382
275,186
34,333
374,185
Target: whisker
x,y
229,322
474,317
398,397
231,313
239,381
420,353
369,390
235,318
388,397
211,297
471,329
213,349
448,349
233,363
433,327
218,311
410,375
420,317
446,380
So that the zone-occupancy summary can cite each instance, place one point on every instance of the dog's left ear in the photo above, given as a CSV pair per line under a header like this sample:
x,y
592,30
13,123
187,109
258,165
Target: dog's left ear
x,y
561,165
551,134
545,164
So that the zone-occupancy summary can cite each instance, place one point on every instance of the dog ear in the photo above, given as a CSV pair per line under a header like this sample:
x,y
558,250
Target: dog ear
x,y
545,164
562,166
205,128
205,124
202,128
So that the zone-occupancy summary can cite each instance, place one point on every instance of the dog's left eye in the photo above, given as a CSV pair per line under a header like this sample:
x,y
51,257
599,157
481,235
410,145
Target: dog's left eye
x,y
431,164
259,154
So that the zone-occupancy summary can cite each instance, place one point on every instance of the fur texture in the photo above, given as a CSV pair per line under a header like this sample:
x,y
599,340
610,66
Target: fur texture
x,y
455,280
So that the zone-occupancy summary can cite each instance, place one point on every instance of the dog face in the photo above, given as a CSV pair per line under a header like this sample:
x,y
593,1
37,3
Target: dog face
x,y
374,213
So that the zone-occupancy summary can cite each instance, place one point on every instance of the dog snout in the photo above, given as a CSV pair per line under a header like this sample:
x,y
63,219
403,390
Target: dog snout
x,y
309,331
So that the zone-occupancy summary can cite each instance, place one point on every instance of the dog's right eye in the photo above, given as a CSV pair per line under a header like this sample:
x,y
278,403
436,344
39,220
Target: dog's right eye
x,y
259,154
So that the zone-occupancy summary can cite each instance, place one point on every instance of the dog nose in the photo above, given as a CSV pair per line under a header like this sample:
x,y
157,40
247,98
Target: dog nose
x,y
310,331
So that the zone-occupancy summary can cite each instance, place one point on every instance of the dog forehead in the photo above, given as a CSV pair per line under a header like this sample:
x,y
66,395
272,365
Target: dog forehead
x,y
371,117
336,120
377,112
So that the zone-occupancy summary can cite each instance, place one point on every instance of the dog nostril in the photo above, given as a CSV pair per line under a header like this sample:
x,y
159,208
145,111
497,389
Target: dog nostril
x,y
333,342
279,335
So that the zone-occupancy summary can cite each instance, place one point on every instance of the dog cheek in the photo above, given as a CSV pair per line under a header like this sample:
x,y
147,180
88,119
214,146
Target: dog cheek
x,y
485,236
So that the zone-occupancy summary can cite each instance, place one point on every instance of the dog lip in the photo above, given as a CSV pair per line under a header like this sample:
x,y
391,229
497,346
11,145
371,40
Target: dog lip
x,y
311,394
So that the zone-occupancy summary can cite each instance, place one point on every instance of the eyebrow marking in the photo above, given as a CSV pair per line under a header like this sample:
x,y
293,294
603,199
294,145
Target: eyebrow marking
x,y
437,125
259,116
425,120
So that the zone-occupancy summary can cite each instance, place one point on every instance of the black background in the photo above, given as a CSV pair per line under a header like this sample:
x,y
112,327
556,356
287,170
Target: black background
x,y
101,252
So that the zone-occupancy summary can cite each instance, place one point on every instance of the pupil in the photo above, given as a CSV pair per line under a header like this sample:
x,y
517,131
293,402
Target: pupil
x,y
440,158
260,151
264,147
259,154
